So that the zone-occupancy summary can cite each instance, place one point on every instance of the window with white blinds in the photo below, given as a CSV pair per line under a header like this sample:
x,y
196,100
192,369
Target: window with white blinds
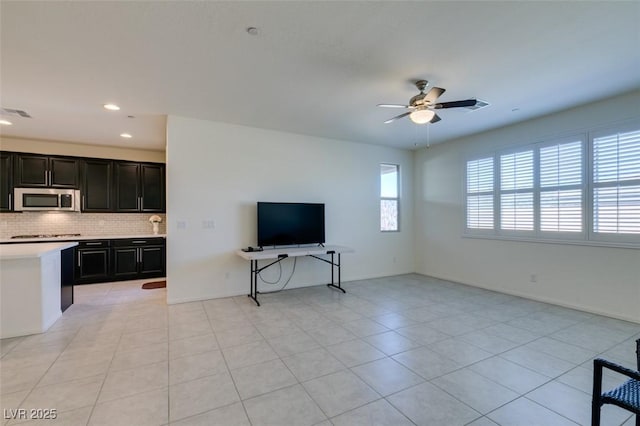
x,y
480,194
516,191
561,187
549,190
616,183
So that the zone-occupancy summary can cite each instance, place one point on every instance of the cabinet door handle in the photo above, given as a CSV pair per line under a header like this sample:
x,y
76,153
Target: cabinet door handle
x,y
10,202
50,177
138,242
93,244
46,178
83,207
78,259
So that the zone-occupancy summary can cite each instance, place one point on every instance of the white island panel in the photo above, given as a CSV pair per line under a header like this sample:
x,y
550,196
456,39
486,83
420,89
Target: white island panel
x,y
29,287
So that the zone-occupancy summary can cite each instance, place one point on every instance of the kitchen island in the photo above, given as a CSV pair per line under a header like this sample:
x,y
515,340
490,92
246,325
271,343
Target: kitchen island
x,y
30,284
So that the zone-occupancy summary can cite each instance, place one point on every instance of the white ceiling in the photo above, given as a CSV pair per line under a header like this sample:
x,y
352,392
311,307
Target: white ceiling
x,y
315,68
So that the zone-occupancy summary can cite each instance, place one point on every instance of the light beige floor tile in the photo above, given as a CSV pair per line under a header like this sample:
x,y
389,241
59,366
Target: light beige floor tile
x,y
379,413
192,346
196,366
391,343
387,376
139,357
311,364
355,352
248,354
261,378
191,329
509,374
238,336
339,392
149,408
475,390
119,384
288,406
143,338
524,412
64,396
426,363
294,343
425,405
198,396
231,415
331,335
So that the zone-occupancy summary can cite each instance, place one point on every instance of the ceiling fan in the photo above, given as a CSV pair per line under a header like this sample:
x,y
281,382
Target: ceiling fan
x,y
422,105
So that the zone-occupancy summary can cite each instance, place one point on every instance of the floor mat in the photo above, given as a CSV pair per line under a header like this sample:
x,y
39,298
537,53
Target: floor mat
x,y
154,284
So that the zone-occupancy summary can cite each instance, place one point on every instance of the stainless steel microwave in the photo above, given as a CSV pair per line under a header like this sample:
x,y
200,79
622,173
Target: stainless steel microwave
x,y
45,199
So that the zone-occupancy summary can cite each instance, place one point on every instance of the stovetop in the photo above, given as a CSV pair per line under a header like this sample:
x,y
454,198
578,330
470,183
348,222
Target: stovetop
x,y
45,236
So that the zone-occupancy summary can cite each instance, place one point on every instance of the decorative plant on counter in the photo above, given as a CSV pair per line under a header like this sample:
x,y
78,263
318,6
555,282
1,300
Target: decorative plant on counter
x,y
155,220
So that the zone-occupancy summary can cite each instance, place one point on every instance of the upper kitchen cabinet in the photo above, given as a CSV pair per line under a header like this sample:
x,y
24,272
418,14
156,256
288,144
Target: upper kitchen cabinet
x,y
139,187
97,186
6,181
46,171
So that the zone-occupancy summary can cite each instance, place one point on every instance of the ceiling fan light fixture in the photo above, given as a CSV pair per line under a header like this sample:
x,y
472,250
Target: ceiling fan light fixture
x,y
421,116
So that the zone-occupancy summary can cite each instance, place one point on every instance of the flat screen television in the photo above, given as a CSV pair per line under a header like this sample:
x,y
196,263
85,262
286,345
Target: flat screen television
x,y
283,224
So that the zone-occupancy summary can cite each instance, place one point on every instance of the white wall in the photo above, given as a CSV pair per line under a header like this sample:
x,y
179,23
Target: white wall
x,y
219,171
597,279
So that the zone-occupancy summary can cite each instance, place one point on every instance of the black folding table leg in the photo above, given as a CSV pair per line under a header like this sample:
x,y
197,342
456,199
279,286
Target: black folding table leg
x,y
333,264
253,291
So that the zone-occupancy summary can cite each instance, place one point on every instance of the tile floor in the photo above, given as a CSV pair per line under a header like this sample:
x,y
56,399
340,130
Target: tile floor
x,y
396,351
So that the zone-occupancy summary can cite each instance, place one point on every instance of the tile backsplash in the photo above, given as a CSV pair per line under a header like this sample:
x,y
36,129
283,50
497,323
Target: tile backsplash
x,y
89,224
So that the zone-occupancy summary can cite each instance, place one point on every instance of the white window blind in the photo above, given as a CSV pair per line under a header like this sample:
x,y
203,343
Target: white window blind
x,y
616,183
480,194
561,181
516,191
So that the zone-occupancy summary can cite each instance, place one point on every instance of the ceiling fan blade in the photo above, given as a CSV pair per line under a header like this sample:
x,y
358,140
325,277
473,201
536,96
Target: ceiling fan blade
x,y
394,106
397,117
456,104
435,119
433,94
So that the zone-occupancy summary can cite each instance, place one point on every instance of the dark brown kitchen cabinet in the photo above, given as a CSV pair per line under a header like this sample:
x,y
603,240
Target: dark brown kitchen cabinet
x,y
92,261
138,258
6,182
46,171
139,187
97,186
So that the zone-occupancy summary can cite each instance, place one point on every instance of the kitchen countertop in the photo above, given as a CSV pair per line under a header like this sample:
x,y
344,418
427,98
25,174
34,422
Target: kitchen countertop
x,y
80,238
27,251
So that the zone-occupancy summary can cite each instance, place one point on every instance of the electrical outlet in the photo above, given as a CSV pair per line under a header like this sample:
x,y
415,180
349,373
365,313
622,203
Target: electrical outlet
x,y
533,278
208,224
181,224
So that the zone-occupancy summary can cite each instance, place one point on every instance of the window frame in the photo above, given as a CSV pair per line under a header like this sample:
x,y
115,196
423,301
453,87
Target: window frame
x,y
586,236
396,198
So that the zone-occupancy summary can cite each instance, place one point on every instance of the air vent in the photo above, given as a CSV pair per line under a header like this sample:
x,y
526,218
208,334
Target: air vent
x,y
479,104
15,112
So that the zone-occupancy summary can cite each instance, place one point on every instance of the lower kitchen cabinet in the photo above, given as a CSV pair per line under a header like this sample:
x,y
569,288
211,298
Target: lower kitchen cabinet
x,y
92,262
138,258
120,259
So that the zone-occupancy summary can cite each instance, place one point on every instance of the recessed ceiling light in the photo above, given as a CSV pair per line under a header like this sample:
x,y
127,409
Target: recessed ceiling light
x,y
125,135
6,122
111,107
